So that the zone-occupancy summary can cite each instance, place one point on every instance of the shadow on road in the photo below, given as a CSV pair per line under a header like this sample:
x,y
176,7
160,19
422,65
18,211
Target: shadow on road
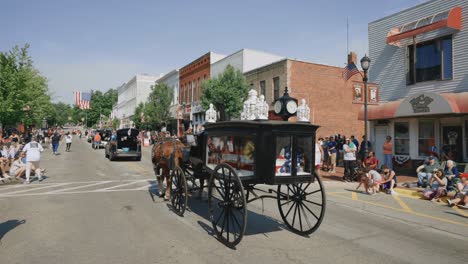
x,y
9,225
457,214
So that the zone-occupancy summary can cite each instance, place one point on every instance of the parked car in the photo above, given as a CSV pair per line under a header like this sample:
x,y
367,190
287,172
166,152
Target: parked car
x,y
124,145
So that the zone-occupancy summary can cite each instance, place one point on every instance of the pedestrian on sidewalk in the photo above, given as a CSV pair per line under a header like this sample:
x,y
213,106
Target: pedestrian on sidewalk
x,y
68,141
388,152
33,156
318,156
349,158
55,142
332,153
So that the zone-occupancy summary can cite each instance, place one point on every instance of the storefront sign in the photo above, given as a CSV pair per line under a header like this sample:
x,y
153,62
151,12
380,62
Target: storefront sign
x,y
421,103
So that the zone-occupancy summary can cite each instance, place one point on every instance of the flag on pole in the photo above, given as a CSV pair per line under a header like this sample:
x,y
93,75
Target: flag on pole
x,y
349,71
82,100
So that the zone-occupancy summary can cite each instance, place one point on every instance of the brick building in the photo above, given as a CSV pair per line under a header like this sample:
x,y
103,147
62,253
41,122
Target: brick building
x,y
332,101
191,77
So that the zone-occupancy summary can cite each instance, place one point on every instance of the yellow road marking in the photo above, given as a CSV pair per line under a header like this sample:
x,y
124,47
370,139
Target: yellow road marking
x,y
354,196
411,212
402,204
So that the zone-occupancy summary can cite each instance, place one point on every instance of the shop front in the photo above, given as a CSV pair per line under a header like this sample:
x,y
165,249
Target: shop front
x,y
422,125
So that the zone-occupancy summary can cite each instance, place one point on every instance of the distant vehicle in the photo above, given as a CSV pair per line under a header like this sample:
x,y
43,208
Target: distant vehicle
x,y
125,145
105,137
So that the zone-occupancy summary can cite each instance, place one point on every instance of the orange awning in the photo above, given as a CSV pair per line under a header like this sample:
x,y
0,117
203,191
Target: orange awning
x,y
417,105
450,18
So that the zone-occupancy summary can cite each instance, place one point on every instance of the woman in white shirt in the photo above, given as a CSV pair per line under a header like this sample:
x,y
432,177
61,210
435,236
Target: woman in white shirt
x,y
68,141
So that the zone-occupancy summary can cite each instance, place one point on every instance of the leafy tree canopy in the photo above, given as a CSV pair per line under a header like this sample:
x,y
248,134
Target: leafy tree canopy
x,y
156,110
226,92
24,94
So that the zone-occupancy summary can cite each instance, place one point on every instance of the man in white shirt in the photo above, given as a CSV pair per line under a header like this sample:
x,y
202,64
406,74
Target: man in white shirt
x,y
349,158
33,155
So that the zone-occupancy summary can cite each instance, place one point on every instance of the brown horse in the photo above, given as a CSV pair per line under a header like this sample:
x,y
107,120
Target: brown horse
x,y
167,155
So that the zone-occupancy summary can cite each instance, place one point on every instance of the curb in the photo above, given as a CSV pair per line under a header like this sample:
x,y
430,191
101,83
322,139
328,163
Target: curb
x,y
408,192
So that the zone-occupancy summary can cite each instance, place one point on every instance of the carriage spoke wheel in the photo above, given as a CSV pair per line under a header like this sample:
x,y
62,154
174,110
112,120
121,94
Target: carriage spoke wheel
x,y
302,205
178,191
227,204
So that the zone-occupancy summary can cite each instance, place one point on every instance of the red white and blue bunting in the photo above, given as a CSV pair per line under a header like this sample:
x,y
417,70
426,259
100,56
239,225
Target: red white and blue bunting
x,y
401,159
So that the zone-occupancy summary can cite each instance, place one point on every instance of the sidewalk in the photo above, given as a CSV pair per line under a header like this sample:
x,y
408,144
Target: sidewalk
x,y
415,192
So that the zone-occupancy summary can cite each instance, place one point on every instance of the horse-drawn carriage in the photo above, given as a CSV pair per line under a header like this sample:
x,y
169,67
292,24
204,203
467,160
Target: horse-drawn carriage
x,y
236,156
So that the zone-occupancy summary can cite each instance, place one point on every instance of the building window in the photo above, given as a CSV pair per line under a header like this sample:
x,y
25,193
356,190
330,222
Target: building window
x,y
431,61
193,90
262,87
276,88
199,89
426,137
401,142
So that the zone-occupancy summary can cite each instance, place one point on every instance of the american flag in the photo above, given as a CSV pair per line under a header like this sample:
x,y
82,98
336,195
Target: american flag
x,y
349,71
82,100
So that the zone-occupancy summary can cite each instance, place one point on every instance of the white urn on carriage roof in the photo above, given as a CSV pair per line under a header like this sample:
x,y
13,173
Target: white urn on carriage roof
x,y
210,115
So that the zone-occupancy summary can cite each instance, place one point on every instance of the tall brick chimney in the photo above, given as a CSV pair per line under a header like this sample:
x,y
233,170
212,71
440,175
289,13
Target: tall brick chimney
x,y
352,57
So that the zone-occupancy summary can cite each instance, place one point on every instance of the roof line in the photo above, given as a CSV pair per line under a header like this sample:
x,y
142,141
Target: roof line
x,y
401,11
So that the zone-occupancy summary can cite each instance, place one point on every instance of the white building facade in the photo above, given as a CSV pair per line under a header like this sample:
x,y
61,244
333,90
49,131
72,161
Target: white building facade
x,y
130,94
171,79
244,60
420,62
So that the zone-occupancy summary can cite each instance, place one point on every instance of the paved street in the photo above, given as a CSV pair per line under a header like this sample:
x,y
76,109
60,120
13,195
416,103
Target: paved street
x,y
90,210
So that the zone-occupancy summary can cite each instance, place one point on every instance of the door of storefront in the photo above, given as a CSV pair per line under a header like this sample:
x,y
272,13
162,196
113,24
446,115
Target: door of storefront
x,y
452,142
381,132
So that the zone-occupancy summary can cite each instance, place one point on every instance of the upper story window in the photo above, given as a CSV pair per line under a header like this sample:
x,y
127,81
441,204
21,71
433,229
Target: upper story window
x,y
262,87
276,88
431,61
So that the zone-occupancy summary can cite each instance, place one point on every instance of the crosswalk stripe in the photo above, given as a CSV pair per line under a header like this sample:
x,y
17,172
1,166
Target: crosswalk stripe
x,y
79,187
35,189
121,185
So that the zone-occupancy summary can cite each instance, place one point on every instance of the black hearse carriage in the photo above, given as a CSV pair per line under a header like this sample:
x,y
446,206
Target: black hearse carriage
x,y
236,156
124,145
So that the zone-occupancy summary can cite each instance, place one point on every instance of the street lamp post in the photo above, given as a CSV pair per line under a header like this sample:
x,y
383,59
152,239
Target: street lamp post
x,y
365,62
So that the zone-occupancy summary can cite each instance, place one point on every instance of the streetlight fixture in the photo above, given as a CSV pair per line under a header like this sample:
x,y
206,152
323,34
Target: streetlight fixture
x,y
365,63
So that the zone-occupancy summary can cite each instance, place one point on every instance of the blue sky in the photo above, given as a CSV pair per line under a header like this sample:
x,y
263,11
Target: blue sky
x,y
84,45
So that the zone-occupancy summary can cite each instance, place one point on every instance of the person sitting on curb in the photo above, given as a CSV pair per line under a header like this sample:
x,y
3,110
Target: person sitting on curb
x,y
371,161
371,180
18,168
451,172
426,171
390,180
461,197
438,183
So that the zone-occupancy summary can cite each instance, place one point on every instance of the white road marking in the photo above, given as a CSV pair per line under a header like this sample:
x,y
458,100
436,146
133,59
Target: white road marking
x,y
79,187
35,189
121,185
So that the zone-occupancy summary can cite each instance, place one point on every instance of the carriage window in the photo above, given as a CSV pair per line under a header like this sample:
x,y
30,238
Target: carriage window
x,y
283,155
304,155
237,151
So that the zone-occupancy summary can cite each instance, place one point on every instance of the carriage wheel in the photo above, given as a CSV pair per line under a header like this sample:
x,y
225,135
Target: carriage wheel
x,y
178,191
302,205
227,204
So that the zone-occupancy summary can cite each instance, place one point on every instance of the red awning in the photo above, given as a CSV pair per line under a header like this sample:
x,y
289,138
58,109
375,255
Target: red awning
x,y
417,105
450,18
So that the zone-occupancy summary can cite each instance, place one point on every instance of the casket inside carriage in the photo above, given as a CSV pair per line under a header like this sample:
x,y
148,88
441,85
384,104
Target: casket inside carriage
x,y
270,152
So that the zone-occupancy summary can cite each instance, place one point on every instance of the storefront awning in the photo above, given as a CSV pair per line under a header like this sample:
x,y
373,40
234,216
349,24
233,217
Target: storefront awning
x,y
422,104
447,19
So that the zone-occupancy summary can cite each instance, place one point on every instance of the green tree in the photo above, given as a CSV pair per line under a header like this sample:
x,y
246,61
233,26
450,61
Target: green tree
x,y
23,90
157,108
60,115
101,105
226,92
139,113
